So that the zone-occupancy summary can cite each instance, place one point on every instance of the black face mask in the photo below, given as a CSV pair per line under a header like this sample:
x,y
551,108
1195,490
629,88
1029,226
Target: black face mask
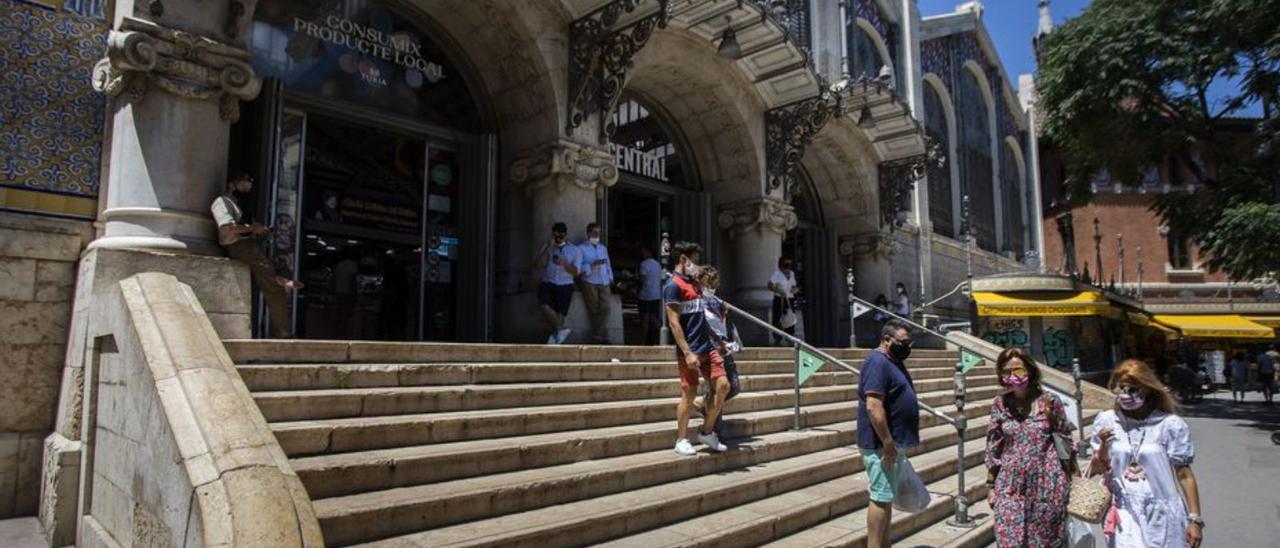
x,y
899,351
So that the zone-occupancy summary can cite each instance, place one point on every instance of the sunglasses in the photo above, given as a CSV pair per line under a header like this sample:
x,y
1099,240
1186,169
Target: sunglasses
x,y
1018,372
1130,390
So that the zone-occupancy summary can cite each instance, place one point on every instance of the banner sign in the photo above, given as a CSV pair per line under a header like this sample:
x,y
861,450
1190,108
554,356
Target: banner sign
x,y
808,365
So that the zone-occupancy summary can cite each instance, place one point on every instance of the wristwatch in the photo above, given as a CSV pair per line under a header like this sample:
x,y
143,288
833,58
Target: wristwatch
x,y
1196,519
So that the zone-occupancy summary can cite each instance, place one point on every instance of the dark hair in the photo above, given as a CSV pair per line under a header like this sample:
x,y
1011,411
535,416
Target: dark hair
x,y
686,249
891,329
559,227
1010,353
237,177
785,259
647,251
708,273
881,300
592,225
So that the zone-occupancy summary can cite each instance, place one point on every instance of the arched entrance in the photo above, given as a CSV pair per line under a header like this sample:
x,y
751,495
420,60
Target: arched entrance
x,y
813,247
373,144
656,200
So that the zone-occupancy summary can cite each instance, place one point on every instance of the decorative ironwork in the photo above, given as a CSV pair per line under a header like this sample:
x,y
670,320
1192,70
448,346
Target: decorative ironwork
x,y
600,56
792,16
899,177
790,128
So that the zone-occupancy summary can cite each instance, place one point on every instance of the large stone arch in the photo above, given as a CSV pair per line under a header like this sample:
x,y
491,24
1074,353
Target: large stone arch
x,y
841,161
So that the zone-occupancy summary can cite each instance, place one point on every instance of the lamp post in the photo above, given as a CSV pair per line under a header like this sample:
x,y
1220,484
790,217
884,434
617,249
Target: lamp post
x,y
967,228
1140,269
664,251
1120,246
853,316
1097,250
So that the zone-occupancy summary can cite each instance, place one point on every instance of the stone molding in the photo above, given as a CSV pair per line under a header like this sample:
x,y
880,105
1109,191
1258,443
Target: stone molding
x,y
563,164
877,245
758,214
142,54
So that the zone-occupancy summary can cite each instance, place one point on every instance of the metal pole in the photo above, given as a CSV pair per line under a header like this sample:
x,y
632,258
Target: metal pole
x,y
961,517
853,319
664,252
968,239
797,356
1079,396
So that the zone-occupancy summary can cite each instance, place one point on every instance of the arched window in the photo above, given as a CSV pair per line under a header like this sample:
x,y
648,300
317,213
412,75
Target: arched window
x,y
975,159
864,56
935,124
644,146
1011,190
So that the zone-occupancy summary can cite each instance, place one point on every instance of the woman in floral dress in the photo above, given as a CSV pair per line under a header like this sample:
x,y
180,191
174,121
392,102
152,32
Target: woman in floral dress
x,y
1027,486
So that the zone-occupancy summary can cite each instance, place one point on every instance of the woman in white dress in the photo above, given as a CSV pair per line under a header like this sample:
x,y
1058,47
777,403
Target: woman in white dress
x,y
1155,500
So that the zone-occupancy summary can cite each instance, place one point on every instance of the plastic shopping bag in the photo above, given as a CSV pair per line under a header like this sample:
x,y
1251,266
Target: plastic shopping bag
x,y
1079,534
912,495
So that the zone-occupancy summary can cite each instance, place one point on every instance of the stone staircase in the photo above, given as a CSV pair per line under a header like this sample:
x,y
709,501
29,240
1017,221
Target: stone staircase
x,y
417,444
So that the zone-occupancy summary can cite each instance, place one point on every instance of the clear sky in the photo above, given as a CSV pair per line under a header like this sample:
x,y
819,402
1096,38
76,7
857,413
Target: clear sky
x,y
1012,23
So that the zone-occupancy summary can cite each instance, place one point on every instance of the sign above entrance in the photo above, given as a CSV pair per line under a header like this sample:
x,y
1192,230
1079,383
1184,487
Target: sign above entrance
x,y
643,163
398,48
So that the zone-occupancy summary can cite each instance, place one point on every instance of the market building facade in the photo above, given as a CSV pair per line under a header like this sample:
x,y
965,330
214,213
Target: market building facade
x,y
411,157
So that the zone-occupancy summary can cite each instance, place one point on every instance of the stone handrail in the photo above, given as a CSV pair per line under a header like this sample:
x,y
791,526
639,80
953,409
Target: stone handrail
x,y
178,452
1095,397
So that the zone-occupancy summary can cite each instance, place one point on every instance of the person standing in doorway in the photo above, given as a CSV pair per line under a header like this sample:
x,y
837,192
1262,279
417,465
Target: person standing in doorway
x,y
783,285
901,302
559,261
1267,374
888,424
241,242
650,296
1027,484
695,348
597,281
1239,367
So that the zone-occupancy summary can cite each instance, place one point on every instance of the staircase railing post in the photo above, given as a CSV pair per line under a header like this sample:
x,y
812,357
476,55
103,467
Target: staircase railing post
x,y
961,517
797,359
853,317
1079,397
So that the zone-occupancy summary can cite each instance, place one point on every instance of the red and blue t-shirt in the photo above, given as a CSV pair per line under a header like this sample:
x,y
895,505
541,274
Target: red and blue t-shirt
x,y
684,293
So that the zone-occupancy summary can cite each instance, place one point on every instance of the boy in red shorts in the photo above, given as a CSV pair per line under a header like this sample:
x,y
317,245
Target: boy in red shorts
x,y
696,351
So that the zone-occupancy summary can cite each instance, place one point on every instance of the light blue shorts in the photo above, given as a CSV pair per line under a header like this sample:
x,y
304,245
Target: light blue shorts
x,y
883,483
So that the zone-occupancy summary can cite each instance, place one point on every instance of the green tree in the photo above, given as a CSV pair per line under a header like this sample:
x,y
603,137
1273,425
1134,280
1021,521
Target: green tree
x,y
1126,86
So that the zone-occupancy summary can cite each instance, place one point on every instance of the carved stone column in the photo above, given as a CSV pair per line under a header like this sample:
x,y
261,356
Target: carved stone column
x,y
870,254
563,181
756,229
173,95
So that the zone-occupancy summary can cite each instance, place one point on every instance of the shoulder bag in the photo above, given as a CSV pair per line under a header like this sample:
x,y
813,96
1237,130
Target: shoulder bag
x,y
1088,500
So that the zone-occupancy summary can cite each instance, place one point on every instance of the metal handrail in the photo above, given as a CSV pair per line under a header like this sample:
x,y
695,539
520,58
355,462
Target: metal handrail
x,y
822,354
977,351
946,296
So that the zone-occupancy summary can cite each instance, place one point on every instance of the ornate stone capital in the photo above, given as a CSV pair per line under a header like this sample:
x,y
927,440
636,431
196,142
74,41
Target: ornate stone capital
x,y
877,245
562,164
141,54
758,214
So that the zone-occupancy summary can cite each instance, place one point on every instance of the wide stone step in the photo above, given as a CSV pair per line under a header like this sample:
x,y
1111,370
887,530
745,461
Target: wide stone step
x,y
358,402
941,535
795,511
848,528
245,351
336,435
348,473
275,377
608,517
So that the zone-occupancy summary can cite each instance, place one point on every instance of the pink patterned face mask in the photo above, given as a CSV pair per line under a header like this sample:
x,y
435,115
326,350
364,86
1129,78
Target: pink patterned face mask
x,y
1017,382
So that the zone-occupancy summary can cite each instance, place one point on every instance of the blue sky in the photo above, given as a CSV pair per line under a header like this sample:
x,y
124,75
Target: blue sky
x,y
1012,23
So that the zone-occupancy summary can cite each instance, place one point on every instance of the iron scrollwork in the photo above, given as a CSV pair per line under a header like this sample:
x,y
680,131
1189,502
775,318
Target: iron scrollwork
x,y
898,179
790,128
599,57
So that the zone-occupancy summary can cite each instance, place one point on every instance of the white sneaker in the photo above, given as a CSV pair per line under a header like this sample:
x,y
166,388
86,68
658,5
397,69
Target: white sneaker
x,y
553,340
684,448
712,441
563,335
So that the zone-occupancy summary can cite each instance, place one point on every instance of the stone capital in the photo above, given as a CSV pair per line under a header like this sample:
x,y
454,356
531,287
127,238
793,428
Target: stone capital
x,y
564,164
878,245
142,54
757,214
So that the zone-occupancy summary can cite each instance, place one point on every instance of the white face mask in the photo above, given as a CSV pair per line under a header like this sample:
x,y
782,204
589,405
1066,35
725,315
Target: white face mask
x,y
691,269
595,240
709,292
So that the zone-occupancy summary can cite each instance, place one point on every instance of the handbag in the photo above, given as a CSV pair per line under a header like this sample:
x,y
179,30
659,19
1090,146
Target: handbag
x,y
1088,500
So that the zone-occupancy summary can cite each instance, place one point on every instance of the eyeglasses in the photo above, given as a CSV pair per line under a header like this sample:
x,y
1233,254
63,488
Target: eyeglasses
x,y
1130,390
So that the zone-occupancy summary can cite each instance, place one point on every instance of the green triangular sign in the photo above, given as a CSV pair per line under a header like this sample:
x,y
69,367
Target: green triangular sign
x,y
968,360
808,365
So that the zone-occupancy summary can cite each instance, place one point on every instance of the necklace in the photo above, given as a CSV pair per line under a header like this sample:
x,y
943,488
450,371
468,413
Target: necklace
x,y
1135,471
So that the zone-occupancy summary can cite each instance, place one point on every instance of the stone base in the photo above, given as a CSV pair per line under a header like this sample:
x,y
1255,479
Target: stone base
x,y
60,490
519,320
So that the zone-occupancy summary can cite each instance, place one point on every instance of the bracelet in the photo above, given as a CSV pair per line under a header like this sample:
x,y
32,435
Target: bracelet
x,y
1196,519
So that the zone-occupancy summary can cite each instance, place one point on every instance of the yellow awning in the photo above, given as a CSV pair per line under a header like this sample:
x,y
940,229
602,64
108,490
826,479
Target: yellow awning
x,y
1269,321
1138,318
1218,326
1169,333
1084,303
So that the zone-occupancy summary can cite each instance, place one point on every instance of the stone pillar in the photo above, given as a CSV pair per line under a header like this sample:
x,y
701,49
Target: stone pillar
x,y
870,254
174,93
564,181
755,229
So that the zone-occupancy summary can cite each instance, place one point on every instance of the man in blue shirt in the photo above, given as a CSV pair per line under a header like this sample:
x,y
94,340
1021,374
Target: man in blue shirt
x,y
597,281
1267,373
559,260
888,424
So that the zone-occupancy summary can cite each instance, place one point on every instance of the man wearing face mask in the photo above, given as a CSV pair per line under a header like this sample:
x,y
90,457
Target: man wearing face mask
x,y
888,424
558,261
597,278
696,351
